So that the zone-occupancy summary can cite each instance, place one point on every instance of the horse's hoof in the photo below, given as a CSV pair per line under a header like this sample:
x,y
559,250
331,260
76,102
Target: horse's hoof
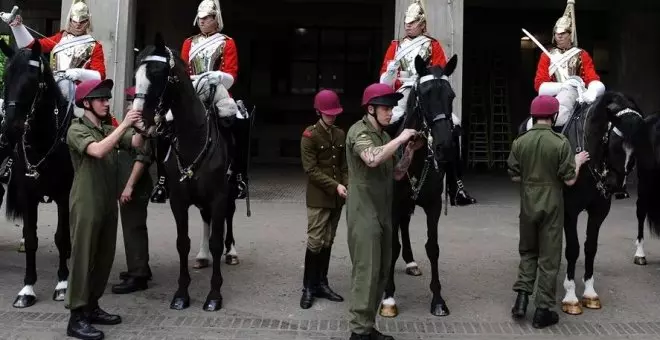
x,y
640,260
201,263
571,308
413,271
212,305
388,311
439,309
591,302
180,303
24,301
231,260
59,294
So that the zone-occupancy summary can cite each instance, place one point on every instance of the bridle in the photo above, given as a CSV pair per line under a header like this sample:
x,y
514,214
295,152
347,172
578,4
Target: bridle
x,y
159,117
60,130
416,185
600,171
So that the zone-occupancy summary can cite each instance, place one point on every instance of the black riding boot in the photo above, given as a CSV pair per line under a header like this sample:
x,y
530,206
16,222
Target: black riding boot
x,y
79,326
622,194
462,197
324,290
310,278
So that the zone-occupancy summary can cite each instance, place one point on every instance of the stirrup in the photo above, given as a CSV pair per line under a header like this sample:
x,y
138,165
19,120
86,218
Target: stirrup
x,y
159,193
5,173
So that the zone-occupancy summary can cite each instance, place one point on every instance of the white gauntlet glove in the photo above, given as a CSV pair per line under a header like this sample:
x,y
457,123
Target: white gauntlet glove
x,y
82,74
595,90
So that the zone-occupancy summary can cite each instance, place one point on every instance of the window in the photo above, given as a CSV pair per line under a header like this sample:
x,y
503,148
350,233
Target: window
x,y
329,58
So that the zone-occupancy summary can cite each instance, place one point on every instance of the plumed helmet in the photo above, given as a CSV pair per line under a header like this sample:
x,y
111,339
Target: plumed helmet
x,y
415,12
209,7
567,22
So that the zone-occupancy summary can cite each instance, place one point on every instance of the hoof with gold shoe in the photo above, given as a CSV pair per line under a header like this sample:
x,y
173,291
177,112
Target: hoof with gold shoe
x,y
201,263
412,269
571,308
591,302
388,308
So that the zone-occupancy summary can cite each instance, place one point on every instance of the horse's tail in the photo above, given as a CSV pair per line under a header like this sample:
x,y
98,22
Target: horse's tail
x,y
13,208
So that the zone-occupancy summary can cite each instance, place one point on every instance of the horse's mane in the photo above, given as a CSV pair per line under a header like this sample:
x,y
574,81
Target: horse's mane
x,y
19,65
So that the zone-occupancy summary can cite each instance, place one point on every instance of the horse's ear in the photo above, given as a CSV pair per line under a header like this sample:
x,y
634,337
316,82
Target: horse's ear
x,y
420,66
36,49
159,42
451,65
6,49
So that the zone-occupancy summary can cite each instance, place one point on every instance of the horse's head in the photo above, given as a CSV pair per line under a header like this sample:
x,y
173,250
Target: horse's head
x,y
158,70
25,79
430,107
618,123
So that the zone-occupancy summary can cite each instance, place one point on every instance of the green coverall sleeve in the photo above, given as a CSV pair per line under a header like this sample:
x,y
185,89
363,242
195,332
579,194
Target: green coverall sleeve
x,y
126,141
512,162
78,137
566,170
362,142
144,154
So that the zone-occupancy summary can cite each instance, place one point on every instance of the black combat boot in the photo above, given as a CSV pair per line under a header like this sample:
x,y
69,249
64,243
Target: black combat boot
x,y
310,278
130,285
126,275
544,317
98,316
323,290
520,307
79,327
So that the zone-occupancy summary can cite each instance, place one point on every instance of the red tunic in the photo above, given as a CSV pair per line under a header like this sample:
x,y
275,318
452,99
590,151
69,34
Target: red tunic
x,y
96,62
229,62
587,72
437,57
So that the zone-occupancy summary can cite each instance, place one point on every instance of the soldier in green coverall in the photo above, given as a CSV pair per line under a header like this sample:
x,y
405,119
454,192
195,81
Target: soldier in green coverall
x,y
542,161
370,154
93,146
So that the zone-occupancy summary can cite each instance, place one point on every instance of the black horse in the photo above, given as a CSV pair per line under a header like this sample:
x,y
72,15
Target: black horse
x,y
646,153
429,110
36,122
196,162
605,129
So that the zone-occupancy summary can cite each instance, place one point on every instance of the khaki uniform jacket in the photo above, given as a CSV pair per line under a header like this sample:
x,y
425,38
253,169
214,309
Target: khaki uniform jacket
x,y
322,151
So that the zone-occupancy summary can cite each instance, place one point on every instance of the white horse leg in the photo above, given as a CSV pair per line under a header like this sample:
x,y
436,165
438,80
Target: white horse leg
x,y
60,291
204,252
570,304
640,256
388,308
590,299
26,297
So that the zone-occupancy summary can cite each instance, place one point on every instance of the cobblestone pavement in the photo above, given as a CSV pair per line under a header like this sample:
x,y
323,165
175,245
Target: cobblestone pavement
x,y
478,263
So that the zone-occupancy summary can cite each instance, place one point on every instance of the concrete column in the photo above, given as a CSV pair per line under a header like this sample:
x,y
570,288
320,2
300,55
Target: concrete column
x,y
114,27
445,23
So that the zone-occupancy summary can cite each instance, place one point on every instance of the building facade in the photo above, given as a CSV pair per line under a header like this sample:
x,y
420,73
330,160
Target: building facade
x,y
289,49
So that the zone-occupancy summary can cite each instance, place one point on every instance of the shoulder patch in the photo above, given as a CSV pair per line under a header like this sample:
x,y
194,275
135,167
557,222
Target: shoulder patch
x,y
307,134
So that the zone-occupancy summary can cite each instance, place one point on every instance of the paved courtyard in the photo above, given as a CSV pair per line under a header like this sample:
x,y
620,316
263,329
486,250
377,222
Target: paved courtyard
x,y
478,262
